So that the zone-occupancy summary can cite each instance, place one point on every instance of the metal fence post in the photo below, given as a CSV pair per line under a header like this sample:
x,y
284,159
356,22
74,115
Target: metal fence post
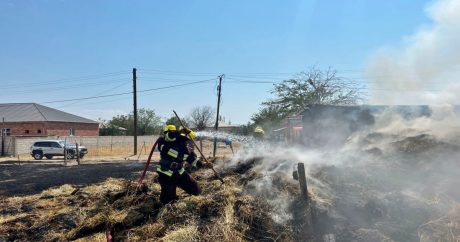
x,y
97,145
78,153
65,151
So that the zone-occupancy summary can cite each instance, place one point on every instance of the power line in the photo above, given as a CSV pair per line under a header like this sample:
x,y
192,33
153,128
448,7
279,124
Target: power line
x,y
80,87
99,93
166,72
161,79
80,78
233,80
126,93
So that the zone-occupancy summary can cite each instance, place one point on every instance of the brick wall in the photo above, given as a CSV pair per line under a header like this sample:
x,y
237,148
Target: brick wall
x,y
33,129
25,128
81,129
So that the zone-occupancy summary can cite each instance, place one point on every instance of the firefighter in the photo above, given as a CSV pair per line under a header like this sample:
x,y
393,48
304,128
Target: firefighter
x,y
177,158
259,133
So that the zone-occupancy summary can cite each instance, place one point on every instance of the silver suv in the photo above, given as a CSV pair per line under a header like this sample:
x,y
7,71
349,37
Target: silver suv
x,y
50,148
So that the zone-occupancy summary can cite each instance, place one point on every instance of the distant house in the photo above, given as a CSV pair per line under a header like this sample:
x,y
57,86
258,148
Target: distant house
x,y
31,119
223,127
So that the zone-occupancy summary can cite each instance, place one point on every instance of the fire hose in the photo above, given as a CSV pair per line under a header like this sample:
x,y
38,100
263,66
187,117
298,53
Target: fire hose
x,y
201,153
148,162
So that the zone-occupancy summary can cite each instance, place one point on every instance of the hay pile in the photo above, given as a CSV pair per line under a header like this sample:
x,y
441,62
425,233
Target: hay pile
x,y
221,213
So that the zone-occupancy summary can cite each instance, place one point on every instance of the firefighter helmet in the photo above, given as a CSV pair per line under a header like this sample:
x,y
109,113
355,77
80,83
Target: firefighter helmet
x,y
259,130
169,127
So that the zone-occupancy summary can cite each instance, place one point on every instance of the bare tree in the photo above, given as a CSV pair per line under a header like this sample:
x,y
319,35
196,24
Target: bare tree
x,y
313,87
201,117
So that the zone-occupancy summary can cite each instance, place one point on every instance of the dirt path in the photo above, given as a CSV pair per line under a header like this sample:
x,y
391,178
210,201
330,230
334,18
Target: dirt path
x,y
32,178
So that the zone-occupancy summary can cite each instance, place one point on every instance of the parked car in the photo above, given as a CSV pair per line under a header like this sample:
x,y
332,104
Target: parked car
x,y
51,148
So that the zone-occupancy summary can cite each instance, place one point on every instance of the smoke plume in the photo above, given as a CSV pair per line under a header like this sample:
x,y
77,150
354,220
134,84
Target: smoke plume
x,y
425,68
395,180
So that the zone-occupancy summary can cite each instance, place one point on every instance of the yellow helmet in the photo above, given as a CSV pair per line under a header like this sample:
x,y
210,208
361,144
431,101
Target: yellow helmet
x,y
169,127
259,130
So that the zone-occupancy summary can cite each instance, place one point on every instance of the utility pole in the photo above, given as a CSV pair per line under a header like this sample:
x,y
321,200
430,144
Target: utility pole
x,y
135,109
3,136
219,90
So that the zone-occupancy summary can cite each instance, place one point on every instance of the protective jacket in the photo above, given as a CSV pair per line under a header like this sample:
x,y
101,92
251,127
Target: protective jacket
x,y
176,150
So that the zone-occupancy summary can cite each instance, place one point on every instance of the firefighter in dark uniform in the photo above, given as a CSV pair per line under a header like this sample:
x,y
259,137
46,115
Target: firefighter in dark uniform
x,y
177,158
259,134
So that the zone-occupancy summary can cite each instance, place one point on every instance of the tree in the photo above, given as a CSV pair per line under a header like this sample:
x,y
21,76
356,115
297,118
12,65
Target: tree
x,y
174,121
108,129
148,122
201,117
312,87
269,116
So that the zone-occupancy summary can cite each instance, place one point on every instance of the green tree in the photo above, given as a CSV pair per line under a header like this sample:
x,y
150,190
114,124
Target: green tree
x,y
269,116
174,121
313,87
148,122
108,129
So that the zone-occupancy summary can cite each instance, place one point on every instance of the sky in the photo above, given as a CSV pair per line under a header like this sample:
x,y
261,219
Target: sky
x,y
53,51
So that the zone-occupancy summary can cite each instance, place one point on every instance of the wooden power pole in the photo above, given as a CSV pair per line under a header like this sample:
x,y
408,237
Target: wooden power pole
x,y
135,109
216,126
3,129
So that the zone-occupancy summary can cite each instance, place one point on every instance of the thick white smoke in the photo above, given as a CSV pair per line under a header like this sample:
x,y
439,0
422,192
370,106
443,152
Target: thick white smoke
x,y
391,179
425,69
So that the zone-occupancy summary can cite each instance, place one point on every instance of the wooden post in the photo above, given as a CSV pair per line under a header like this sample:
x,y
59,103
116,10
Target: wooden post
x,y
135,109
65,151
304,219
302,180
201,144
78,154
216,126
3,136
140,153
97,145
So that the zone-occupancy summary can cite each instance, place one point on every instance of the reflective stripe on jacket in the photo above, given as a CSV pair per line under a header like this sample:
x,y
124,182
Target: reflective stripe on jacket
x,y
169,172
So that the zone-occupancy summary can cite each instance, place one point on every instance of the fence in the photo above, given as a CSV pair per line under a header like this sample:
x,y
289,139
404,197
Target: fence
x,y
96,145
104,145
8,145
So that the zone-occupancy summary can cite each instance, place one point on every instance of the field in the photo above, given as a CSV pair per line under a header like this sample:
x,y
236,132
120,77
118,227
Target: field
x,y
404,189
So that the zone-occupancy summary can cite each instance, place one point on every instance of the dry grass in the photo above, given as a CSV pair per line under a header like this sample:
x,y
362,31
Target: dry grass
x,y
221,213
446,228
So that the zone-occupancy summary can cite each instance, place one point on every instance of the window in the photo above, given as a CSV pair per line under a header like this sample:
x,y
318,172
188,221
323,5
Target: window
x,y
71,131
6,132
26,131
42,144
39,131
55,145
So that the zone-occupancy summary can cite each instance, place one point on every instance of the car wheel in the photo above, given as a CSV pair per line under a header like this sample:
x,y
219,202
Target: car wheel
x,y
38,155
70,154
49,157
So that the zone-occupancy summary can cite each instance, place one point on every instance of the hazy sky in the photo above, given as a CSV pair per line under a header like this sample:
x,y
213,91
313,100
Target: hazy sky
x,y
59,50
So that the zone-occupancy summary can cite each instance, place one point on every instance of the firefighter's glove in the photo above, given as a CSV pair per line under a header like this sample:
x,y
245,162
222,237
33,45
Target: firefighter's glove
x,y
187,167
186,130
174,166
